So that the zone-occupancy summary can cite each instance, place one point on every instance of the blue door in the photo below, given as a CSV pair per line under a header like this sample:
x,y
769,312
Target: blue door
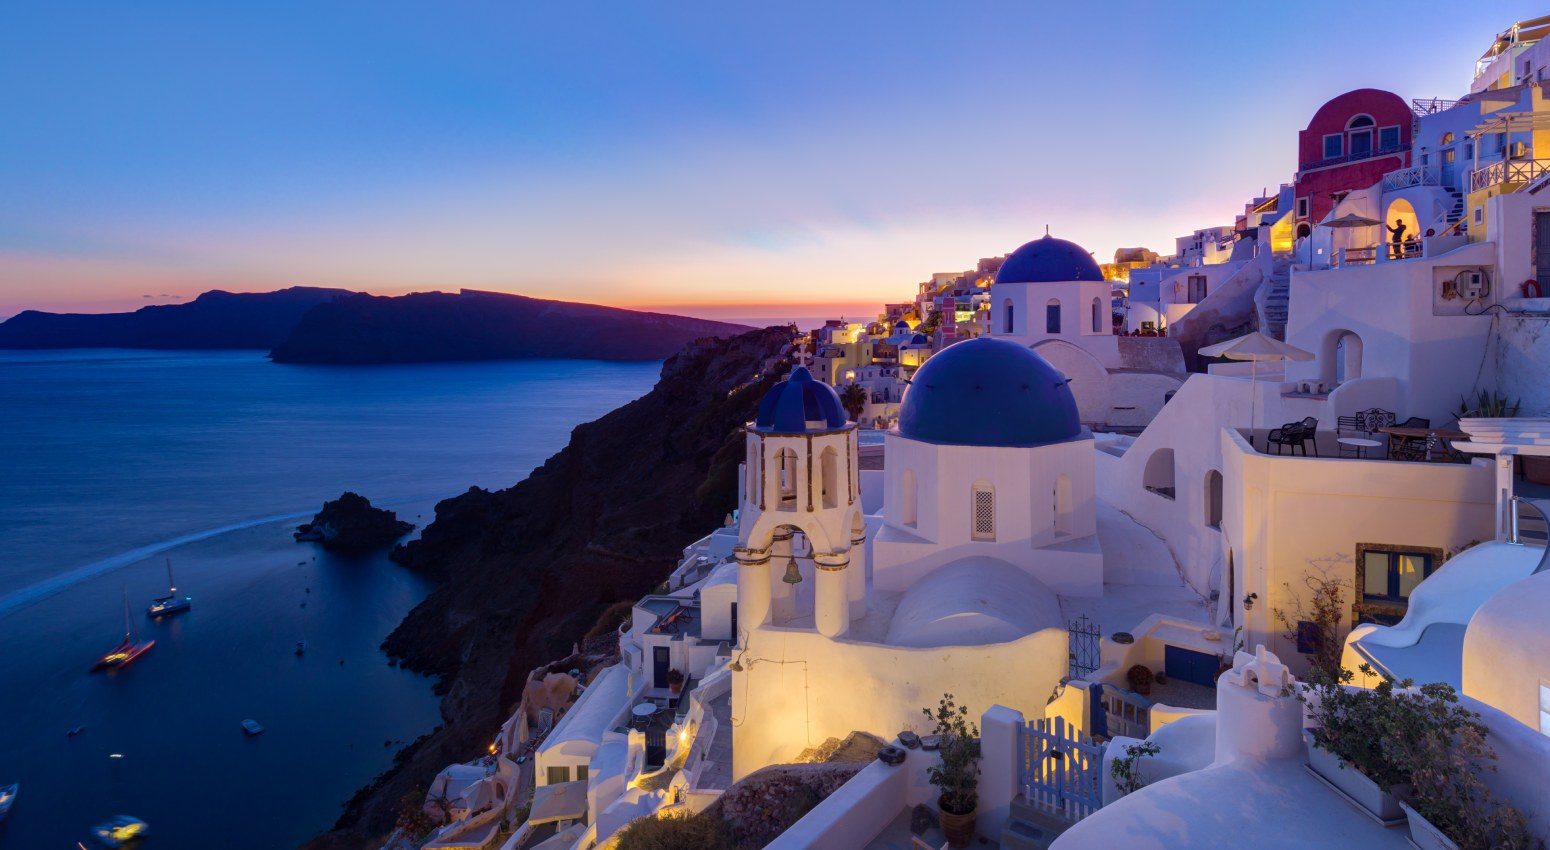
x,y
1187,665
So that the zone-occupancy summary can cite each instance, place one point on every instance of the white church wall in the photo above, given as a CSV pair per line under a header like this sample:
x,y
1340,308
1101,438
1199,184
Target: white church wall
x,y
1090,383
798,688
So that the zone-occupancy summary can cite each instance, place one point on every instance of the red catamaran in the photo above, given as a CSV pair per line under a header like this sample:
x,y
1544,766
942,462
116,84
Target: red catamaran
x,y
128,650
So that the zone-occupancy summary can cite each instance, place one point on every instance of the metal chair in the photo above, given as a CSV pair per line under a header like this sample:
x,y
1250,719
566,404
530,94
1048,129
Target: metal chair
x,y
1416,422
1310,434
1351,424
1288,435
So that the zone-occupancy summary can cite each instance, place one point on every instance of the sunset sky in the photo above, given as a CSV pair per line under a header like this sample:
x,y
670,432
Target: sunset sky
x,y
714,158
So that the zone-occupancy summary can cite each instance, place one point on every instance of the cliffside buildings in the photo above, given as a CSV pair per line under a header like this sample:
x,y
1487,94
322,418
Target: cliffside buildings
x,y
1082,589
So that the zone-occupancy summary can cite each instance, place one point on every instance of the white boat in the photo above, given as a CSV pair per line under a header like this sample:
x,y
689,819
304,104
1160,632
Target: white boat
x,y
172,603
8,798
120,830
252,727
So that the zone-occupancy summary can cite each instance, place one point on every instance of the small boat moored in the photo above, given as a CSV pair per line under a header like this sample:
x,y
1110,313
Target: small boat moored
x,y
8,798
172,603
252,727
120,830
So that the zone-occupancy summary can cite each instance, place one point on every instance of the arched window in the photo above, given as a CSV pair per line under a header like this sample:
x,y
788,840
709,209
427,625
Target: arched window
x,y
829,469
1052,316
1342,357
982,512
1064,521
1360,121
1008,326
1447,139
1214,499
909,496
1158,475
1097,316
752,472
786,463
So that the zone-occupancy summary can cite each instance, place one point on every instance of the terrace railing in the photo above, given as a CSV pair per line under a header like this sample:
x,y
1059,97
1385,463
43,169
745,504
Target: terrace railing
x,y
1506,172
1415,175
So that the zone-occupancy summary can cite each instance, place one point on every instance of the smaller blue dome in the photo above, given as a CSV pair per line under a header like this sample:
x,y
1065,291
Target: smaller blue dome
x,y
1049,260
799,404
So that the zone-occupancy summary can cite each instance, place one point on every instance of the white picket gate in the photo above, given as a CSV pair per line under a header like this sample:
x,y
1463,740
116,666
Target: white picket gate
x,y
1062,769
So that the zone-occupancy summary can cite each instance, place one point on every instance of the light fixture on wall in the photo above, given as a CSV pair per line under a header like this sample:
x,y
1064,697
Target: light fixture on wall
x,y
793,575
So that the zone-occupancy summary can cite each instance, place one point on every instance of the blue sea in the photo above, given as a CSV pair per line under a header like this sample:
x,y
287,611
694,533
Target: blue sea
x,y
114,462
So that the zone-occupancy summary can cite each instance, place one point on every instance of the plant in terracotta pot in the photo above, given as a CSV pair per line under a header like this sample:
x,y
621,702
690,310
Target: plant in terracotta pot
x,y
675,681
957,775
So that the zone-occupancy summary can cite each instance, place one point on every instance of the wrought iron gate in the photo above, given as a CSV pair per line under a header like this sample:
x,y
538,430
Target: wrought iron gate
x,y
1061,769
1082,644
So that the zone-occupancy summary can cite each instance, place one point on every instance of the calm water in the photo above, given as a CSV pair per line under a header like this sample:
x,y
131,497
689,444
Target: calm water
x,y
113,461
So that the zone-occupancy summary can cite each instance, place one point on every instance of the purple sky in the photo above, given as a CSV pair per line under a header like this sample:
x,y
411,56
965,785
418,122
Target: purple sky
x,y
749,155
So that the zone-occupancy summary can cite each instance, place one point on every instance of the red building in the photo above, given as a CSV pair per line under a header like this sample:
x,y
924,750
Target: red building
x,y
1352,141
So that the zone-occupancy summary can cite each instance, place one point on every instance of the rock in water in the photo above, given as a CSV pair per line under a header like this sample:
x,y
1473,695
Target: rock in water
x,y
350,524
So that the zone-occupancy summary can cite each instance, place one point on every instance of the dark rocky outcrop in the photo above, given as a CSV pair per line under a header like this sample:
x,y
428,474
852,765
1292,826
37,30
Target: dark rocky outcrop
x,y
472,325
350,524
525,572
216,319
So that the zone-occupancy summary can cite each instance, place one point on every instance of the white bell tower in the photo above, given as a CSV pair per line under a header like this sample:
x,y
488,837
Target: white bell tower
x,y
801,511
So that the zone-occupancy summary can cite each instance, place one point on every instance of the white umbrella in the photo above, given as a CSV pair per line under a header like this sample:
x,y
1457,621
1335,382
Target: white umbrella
x,y
1255,347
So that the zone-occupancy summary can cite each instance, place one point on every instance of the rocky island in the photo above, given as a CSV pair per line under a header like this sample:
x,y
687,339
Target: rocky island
x,y
469,325
525,572
350,524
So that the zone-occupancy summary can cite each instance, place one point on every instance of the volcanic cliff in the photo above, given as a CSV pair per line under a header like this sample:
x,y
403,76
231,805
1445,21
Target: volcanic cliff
x,y
525,572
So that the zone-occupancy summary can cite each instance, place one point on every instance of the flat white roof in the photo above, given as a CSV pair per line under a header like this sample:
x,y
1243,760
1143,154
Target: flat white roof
x,y
597,710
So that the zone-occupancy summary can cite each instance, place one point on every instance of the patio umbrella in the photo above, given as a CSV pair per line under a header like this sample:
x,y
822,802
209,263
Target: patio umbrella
x,y
1255,347
1343,222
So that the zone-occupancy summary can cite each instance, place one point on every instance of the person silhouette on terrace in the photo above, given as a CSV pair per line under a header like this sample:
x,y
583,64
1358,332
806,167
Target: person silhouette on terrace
x,y
1398,238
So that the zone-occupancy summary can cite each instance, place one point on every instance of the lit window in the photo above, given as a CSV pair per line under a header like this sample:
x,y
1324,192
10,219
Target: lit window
x,y
558,776
984,512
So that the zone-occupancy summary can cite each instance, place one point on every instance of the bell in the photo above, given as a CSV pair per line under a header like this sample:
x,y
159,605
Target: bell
x,y
793,575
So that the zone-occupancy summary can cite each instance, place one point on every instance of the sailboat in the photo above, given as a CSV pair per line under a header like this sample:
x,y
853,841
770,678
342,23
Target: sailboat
x,y
129,649
172,603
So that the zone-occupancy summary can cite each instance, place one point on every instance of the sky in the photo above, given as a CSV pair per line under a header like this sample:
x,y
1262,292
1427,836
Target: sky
x,y
731,159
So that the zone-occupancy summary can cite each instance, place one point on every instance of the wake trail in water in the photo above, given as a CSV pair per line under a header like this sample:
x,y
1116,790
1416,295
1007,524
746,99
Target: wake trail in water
x,y
50,586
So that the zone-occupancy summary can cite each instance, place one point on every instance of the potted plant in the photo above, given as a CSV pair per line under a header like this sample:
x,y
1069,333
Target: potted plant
x,y
675,681
957,775
1450,807
1140,678
1369,743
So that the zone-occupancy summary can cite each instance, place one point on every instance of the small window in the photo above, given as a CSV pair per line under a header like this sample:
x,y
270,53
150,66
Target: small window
x,y
557,776
581,772
1361,143
1479,215
1388,138
1302,207
1447,138
1097,315
1052,317
984,510
1334,145
1386,576
1360,121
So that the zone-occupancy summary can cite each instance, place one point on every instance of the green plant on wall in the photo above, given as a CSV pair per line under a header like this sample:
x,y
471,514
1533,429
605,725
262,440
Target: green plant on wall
x,y
1487,404
1127,776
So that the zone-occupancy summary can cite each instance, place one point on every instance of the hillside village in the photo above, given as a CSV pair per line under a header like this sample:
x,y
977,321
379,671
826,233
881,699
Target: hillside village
x,y
1124,524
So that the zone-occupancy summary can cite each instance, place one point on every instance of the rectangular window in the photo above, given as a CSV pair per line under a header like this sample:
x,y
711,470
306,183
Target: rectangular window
x,y
557,776
1479,215
1387,575
1542,245
1197,288
1302,207
1388,139
1334,146
581,772
984,513
1361,143
1052,318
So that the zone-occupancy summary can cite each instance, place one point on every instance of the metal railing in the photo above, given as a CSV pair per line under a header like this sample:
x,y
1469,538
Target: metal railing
x,y
1507,171
1356,157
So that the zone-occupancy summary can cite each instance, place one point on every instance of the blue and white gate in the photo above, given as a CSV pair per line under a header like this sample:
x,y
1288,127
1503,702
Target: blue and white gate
x,y
1062,769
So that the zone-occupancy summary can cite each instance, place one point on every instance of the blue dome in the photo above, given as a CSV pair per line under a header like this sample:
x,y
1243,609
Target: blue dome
x,y
792,404
989,392
1049,260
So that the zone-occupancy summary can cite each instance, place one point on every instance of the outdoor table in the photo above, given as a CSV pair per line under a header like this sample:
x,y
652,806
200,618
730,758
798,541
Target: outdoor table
x,y
1405,435
1361,444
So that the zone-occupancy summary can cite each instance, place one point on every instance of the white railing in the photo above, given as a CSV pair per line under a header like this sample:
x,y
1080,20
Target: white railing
x,y
1415,175
1507,171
